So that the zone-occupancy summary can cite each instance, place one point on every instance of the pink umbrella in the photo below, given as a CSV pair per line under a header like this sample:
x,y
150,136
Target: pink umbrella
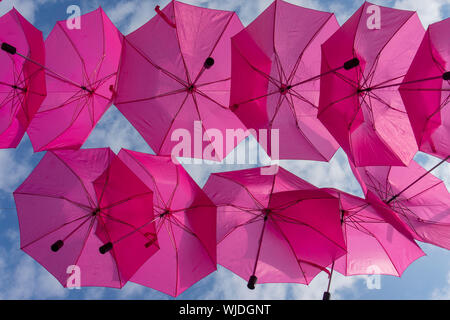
x,y
75,204
22,85
360,104
275,73
175,81
426,91
376,240
418,198
81,67
185,225
275,228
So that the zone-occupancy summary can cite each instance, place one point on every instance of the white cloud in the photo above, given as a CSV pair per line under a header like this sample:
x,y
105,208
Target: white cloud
x,y
429,11
333,174
12,170
442,293
114,131
226,285
22,278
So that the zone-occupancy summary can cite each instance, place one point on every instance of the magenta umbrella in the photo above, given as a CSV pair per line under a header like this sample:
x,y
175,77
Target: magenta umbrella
x,y
426,91
418,198
360,104
22,85
81,68
74,209
174,81
274,229
377,241
275,73
185,225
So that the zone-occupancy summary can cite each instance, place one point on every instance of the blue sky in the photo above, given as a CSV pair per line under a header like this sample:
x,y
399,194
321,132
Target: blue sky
x,y
22,278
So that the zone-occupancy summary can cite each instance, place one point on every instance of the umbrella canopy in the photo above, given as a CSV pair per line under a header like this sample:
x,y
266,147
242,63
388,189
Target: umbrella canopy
x,y
81,67
22,85
419,199
360,104
426,91
377,241
175,81
185,225
274,229
275,73
74,209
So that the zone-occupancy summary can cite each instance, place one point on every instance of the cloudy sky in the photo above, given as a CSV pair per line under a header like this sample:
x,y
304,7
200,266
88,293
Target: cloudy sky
x,y
22,278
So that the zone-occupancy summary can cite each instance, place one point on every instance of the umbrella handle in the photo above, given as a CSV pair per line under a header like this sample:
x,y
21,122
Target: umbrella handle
x,y
170,23
9,48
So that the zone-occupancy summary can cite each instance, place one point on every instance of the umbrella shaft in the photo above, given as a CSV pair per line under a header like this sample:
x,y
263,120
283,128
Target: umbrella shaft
x,y
259,246
418,179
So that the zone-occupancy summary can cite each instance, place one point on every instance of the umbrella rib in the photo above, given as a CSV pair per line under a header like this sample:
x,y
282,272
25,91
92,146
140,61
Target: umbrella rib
x,y
372,69
194,98
76,50
267,76
295,221
74,119
384,249
181,52
297,63
294,254
175,187
171,123
189,231
277,108
99,200
291,104
214,47
113,253
245,188
56,229
93,204
174,244
158,193
234,228
211,99
162,95
157,67
212,82
126,200
78,204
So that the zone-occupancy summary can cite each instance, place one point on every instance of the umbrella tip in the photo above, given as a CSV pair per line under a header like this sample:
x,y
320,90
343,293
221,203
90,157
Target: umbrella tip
x,y
326,295
57,245
446,75
209,62
251,282
234,107
352,63
8,48
105,248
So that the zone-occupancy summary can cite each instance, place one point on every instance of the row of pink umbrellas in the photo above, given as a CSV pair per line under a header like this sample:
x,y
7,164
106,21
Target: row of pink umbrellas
x,y
140,217
379,94
387,88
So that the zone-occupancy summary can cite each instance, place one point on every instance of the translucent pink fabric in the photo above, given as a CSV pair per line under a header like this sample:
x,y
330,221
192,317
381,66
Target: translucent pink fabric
x,y
278,50
22,85
361,107
80,198
185,223
424,206
164,86
81,68
377,242
427,102
299,238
